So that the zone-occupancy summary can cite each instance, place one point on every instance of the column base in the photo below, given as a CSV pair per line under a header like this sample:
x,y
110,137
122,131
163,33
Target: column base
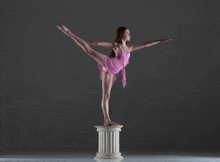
x,y
108,156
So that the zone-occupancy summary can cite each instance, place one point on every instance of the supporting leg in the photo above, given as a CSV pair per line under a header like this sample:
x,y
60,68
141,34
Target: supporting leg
x,y
105,109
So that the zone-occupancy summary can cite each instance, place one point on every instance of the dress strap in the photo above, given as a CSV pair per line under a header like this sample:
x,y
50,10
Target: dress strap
x,y
120,47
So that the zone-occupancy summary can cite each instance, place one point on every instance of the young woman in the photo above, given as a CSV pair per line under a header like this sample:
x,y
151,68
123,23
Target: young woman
x,y
111,65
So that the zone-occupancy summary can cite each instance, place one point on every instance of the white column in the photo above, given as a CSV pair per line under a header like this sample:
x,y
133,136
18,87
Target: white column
x,y
108,146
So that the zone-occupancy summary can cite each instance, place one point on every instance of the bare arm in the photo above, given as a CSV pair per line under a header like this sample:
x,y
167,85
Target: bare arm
x,y
103,44
91,42
147,44
150,43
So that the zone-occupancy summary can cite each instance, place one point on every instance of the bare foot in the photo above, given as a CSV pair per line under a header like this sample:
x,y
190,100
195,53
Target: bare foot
x,y
110,123
63,29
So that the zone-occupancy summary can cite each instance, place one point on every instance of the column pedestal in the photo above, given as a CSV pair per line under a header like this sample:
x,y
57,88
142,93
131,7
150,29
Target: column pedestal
x,y
108,146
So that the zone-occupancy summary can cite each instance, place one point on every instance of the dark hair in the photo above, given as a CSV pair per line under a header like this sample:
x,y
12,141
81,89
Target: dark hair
x,y
119,34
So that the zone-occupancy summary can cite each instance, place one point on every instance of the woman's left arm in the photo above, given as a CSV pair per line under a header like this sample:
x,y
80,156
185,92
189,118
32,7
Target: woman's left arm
x,y
147,44
150,43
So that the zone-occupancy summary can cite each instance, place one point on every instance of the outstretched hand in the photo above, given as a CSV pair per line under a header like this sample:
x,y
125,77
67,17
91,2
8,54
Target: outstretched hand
x,y
165,40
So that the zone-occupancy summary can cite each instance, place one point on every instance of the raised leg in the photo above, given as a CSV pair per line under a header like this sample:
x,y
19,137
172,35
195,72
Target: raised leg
x,y
99,57
81,43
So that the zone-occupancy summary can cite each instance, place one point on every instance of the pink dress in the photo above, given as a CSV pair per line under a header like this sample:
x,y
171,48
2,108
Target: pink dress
x,y
116,64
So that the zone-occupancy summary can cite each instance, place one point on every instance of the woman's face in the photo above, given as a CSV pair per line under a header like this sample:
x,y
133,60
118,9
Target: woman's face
x,y
127,35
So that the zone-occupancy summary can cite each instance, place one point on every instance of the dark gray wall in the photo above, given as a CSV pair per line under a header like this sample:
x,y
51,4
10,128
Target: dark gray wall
x,y
51,90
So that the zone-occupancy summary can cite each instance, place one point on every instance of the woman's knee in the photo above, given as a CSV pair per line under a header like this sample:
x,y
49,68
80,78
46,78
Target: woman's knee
x,y
85,47
105,99
106,96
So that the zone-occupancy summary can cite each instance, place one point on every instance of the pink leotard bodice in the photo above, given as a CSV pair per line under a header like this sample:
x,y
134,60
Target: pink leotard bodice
x,y
115,64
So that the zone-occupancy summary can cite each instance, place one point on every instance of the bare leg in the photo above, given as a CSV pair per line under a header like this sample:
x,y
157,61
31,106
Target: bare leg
x,y
105,109
78,40
97,56
106,87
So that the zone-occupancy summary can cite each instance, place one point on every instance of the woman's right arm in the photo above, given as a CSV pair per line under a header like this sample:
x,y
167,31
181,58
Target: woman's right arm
x,y
92,42
103,44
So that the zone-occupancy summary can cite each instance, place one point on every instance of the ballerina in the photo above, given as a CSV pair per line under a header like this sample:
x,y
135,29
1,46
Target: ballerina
x,y
112,64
